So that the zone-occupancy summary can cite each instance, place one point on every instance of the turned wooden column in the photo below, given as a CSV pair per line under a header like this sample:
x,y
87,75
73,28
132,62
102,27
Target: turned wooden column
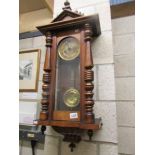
x,y
88,77
46,79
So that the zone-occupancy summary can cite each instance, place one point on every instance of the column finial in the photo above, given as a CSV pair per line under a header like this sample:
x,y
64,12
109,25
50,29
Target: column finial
x,y
67,5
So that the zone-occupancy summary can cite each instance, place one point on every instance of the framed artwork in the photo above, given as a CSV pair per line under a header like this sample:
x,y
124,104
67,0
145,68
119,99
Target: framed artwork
x,y
29,64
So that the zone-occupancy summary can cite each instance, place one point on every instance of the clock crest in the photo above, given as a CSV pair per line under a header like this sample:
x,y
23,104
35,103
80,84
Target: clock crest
x,y
67,90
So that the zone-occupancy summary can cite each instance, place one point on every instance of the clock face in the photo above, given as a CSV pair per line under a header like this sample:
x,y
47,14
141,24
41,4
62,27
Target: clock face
x,y
69,48
71,97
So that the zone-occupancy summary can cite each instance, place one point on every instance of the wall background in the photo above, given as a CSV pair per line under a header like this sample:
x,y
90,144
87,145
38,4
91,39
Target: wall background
x,y
124,59
105,141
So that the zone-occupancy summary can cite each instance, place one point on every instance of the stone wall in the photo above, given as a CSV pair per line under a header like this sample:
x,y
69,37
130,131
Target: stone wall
x,y
104,141
123,36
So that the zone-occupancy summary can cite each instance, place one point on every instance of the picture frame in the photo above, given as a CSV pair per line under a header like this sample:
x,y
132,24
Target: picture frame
x,y
29,66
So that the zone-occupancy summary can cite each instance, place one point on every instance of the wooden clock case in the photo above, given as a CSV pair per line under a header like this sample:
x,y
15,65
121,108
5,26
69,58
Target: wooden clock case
x,y
83,28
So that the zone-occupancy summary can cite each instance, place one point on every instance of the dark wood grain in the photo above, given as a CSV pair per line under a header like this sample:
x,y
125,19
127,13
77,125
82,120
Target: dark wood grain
x,y
46,79
73,23
82,28
88,76
94,126
65,115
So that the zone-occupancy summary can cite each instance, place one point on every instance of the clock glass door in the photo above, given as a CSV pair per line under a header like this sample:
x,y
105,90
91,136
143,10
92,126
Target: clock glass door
x,y
67,95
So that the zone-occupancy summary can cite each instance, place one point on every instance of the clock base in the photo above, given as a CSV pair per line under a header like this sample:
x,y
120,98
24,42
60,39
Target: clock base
x,y
92,126
72,131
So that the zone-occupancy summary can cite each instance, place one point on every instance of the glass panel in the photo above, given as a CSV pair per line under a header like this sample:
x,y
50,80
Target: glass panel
x,y
68,75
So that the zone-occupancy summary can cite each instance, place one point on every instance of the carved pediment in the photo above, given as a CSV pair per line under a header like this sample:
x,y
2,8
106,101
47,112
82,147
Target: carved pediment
x,y
68,19
67,13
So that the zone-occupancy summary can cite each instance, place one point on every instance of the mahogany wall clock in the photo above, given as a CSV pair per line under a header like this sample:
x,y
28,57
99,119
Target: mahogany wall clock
x,y
67,97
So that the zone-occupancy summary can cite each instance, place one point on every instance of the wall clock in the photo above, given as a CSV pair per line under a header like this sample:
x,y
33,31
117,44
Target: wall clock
x,y
67,97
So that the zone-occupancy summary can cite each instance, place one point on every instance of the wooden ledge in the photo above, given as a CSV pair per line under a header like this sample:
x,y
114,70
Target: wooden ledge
x,y
95,126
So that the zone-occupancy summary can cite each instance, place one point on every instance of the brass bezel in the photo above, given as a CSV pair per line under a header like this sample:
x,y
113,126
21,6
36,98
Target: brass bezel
x,y
76,93
62,51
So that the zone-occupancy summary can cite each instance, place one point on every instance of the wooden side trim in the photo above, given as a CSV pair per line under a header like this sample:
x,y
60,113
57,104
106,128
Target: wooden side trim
x,y
46,79
122,10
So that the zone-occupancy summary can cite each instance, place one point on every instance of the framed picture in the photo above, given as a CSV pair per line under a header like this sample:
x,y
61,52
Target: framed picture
x,y
29,64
